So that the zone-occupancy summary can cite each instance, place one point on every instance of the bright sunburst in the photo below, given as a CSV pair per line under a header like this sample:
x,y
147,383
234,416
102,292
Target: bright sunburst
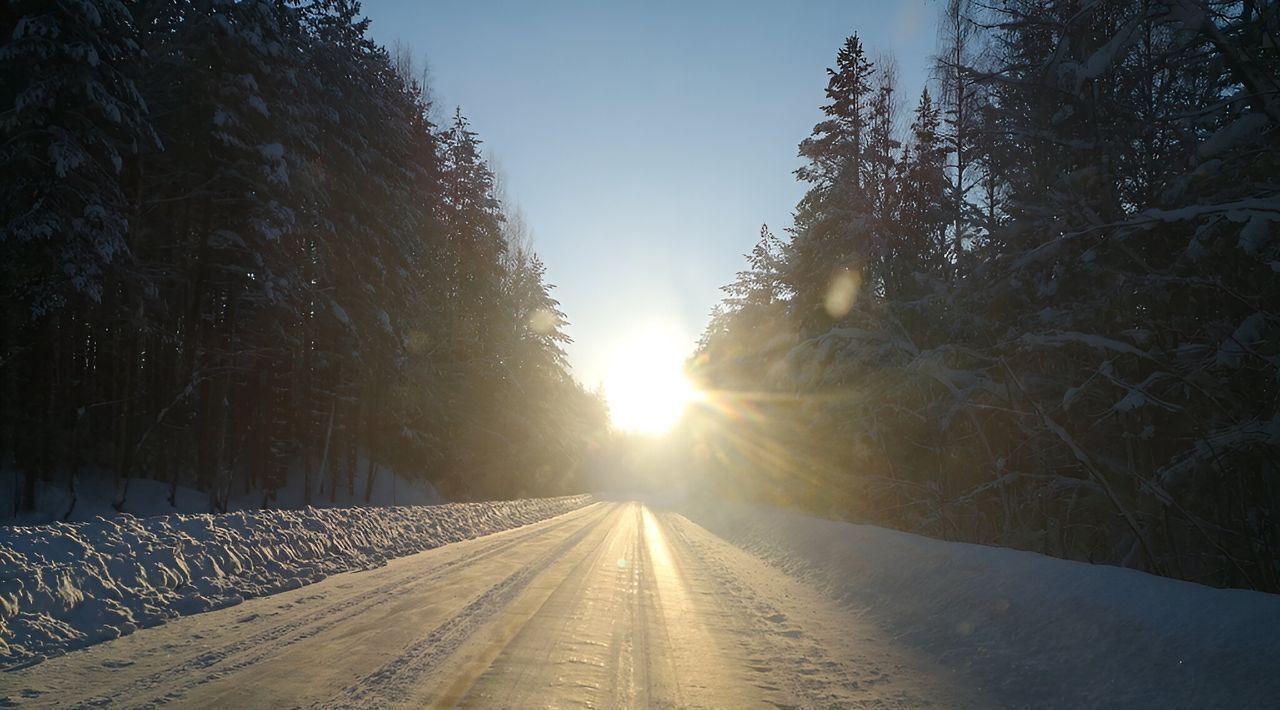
x,y
646,386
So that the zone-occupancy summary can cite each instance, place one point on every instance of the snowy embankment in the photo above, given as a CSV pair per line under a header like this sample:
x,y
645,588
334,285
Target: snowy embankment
x,y
64,586
1031,630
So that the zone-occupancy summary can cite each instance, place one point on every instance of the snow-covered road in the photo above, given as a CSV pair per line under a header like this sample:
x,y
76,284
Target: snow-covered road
x,y
611,605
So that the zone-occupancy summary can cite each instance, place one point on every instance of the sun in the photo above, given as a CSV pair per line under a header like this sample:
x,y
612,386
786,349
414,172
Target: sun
x,y
646,386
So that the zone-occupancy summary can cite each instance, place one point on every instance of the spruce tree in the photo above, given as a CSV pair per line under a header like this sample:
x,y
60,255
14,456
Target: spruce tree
x,y
830,221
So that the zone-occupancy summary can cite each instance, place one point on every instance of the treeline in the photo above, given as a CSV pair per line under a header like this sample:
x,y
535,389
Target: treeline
x,y
1043,313
236,249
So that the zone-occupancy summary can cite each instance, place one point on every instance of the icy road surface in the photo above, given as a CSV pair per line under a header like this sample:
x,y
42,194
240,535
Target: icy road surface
x,y
612,605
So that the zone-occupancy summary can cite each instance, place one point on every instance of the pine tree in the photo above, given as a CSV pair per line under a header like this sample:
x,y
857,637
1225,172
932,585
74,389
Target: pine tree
x,y
882,236
923,217
471,215
761,283
72,119
961,100
830,220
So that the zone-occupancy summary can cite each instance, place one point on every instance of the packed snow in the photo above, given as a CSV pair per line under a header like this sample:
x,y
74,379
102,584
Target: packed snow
x,y
68,585
1031,630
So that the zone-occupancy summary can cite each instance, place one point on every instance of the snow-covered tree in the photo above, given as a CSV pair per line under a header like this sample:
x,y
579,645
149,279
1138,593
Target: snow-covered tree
x,y
72,116
251,257
830,221
1070,344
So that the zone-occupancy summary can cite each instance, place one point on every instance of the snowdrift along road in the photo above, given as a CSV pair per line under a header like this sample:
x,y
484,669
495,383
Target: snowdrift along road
x,y
67,585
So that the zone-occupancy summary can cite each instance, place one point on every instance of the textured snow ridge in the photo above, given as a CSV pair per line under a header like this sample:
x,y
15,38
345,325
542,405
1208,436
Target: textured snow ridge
x,y
64,586
1026,627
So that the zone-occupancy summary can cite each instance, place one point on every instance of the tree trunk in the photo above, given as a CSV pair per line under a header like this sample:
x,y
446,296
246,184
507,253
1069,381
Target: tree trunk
x,y
324,456
370,471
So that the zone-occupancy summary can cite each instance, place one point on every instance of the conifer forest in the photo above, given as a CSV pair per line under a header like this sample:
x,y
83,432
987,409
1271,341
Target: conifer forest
x,y
234,245
1039,306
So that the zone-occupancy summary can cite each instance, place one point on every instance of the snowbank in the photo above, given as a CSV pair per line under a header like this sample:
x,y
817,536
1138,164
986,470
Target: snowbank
x,y
64,585
1033,631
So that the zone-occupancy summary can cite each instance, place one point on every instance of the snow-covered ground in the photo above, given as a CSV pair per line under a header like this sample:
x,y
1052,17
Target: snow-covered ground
x,y
618,604
1031,630
610,605
67,585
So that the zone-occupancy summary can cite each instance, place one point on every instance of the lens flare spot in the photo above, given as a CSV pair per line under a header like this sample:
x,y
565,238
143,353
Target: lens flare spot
x,y
842,293
543,321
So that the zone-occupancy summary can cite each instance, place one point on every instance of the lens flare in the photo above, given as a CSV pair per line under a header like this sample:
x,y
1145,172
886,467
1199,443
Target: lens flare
x,y
543,321
842,293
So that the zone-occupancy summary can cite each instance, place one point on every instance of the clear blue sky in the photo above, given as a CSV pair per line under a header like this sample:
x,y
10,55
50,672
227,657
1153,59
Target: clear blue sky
x,y
646,141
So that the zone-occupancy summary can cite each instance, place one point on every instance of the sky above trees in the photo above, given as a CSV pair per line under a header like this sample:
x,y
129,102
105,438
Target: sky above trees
x,y
646,142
